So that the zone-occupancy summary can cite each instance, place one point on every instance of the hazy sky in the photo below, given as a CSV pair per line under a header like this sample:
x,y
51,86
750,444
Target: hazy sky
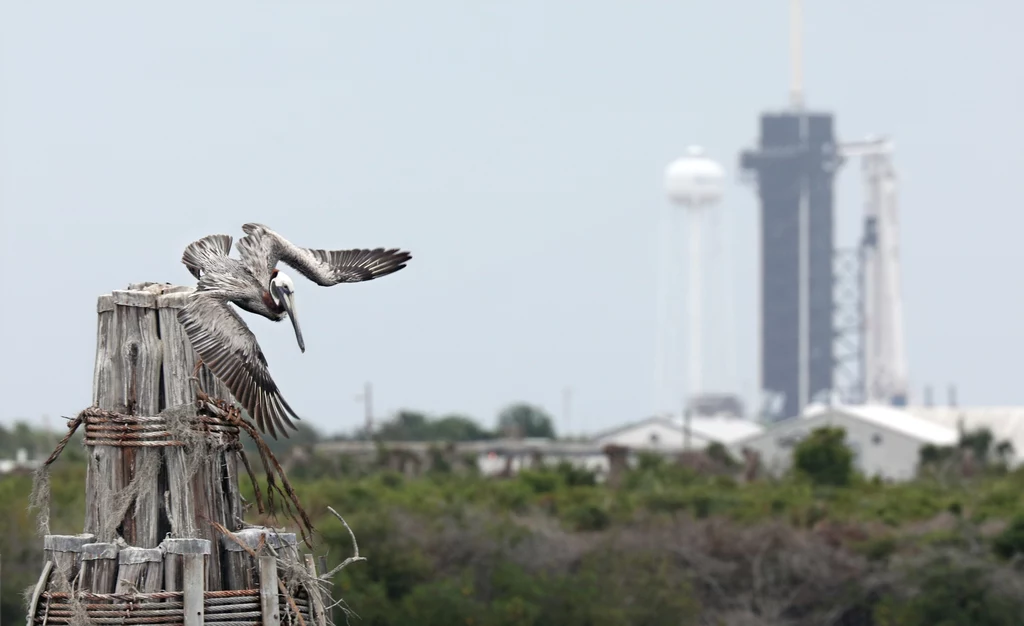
x,y
517,149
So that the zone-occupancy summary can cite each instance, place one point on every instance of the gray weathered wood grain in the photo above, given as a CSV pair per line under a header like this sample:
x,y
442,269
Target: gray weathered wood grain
x,y
98,572
194,580
213,493
140,570
142,353
285,544
144,363
268,591
134,298
328,589
65,552
105,475
238,565
174,550
315,593
33,603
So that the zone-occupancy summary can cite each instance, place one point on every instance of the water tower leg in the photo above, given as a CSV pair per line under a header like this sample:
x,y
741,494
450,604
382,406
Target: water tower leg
x,y
695,303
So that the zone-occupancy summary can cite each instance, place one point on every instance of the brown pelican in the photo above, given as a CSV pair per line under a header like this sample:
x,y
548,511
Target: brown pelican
x,y
253,283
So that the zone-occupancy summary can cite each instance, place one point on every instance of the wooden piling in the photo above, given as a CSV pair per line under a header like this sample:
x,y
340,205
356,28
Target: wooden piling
x,y
238,565
65,552
144,362
174,551
33,602
194,581
328,591
140,570
268,591
286,545
98,573
618,463
315,593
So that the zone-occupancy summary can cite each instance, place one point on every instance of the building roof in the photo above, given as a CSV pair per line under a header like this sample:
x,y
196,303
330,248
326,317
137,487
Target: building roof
x,y
1005,423
725,430
616,430
893,418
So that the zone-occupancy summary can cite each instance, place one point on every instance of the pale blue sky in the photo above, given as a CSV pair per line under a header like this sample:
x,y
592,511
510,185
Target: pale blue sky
x,y
516,148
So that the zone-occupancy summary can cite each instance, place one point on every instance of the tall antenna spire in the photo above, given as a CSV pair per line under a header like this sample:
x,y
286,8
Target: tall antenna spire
x,y
796,55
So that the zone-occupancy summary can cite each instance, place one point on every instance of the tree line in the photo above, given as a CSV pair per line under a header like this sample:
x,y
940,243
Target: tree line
x,y
517,420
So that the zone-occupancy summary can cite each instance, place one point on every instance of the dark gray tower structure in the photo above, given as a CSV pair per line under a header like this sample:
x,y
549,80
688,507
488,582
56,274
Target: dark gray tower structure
x,y
793,168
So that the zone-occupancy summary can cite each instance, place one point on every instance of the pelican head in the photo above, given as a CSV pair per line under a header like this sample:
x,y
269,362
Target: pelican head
x,y
282,290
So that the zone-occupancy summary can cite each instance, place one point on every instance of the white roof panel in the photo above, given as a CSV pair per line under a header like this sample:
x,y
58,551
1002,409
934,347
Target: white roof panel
x,y
725,430
894,418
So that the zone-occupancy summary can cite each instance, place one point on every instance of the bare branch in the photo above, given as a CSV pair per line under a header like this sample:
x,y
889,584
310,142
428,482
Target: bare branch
x,y
355,546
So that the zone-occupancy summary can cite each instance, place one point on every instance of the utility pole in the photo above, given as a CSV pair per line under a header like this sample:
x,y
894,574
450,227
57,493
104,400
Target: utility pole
x,y
566,410
687,415
367,399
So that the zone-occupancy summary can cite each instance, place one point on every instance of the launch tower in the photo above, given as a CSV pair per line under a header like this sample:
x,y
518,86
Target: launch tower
x,y
793,168
823,338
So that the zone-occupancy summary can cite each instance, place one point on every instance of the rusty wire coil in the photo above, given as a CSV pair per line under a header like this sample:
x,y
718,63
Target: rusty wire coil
x,y
109,428
224,608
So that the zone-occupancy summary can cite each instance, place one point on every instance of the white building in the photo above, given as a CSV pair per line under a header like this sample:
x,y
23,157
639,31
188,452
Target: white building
x,y
1005,423
668,434
19,462
886,441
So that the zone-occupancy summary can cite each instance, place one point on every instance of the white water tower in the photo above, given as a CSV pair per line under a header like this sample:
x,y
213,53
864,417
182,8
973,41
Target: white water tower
x,y
694,183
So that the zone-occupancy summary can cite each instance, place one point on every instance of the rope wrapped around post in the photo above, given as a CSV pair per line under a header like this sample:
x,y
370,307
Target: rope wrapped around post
x,y
108,428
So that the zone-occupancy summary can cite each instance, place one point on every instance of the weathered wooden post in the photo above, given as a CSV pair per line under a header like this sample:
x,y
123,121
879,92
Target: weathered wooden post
x,y
140,570
65,552
161,486
268,591
618,463
239,565
144,363
174,559
192,598
99,567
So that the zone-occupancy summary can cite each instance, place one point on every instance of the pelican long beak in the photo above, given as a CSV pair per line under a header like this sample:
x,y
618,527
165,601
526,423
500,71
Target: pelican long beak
x,y
288,301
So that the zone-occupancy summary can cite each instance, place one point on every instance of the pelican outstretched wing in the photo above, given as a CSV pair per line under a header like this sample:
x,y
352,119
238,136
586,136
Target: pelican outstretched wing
x,y
200,254
229,349
324,267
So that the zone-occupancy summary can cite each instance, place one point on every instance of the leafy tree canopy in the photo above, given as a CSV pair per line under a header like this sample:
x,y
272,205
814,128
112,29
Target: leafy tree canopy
x,y
824,457
416,426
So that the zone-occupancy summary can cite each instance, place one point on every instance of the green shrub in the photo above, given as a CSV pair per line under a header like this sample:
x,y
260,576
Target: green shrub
x,y
588,517
540,481
946,592
878,548
824,457
1010,542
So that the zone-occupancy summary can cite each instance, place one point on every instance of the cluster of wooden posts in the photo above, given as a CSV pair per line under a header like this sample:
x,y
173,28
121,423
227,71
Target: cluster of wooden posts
x,y
163,540
167,584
